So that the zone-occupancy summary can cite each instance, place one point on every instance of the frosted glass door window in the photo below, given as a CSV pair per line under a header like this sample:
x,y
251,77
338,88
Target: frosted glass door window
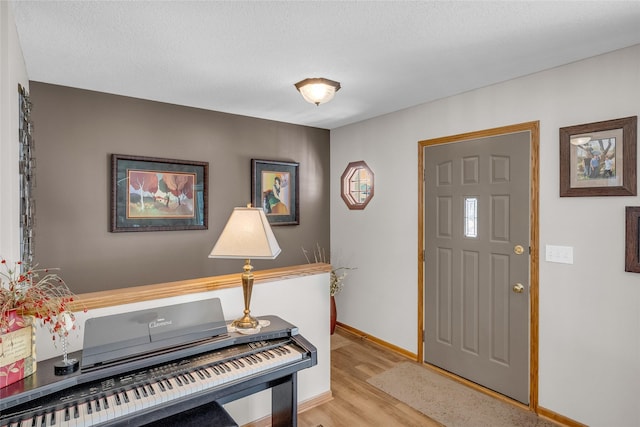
x,y
471,217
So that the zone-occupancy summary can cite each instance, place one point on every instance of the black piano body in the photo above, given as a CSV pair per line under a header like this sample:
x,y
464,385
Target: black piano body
x,y
97,385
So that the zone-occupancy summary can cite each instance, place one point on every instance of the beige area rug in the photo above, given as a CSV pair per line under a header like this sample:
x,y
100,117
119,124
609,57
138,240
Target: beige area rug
x,y
338,341
448,402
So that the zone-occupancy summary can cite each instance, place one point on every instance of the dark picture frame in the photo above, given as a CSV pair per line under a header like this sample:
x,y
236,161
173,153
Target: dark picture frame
x,y
599,159
275,189
156,194
632,246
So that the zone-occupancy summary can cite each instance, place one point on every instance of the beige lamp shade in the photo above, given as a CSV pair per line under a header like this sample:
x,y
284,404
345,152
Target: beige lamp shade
x,y
247,235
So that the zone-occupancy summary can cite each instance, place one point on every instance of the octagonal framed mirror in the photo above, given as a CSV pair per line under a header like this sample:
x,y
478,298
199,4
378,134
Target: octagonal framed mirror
x,y
356,185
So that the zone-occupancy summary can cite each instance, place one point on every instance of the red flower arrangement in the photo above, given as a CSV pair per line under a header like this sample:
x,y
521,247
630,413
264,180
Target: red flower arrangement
x,y
46,298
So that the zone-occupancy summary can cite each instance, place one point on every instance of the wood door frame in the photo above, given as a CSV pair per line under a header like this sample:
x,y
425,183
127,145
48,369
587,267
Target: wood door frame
x,y
534,129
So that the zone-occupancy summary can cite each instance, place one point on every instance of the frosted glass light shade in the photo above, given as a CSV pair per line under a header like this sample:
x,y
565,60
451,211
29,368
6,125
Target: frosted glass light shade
x,y
317,90
579,140
247,235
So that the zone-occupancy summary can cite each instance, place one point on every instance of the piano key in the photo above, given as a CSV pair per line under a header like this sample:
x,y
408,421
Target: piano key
x,y
135,399
208,382
176,388
152,395
82,414
28,422
151,389
129,403
65,417
142,401
178,380
193,385
162,392
113,406
52,418
100,414
266,356
56,417
184,379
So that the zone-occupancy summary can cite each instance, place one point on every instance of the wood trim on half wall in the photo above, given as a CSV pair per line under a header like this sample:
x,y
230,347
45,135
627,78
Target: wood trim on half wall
x,y
134,294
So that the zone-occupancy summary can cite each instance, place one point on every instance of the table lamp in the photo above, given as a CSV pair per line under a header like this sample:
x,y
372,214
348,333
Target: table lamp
x,y
247,236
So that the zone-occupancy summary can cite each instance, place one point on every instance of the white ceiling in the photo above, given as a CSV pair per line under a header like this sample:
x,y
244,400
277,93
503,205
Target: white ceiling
x,y
243,57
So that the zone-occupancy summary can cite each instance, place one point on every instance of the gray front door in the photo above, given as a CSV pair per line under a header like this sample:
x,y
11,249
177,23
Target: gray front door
x,y
477,195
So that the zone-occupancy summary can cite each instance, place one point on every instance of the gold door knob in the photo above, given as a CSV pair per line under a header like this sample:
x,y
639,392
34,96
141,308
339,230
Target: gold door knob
x,y
518,249
518,288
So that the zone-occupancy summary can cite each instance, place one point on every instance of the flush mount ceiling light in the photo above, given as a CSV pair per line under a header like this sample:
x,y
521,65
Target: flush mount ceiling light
x,y
317,90
579,140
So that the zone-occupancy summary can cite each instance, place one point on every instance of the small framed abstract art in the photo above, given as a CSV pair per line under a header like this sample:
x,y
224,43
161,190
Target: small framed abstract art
x,y
274,188
155,194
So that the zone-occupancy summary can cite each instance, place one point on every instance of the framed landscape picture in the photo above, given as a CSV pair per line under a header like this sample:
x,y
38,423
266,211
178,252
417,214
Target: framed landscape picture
x,y
274,188
599,159
155,194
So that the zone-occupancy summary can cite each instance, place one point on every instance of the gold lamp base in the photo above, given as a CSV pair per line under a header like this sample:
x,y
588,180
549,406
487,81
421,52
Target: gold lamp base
x,y
247,321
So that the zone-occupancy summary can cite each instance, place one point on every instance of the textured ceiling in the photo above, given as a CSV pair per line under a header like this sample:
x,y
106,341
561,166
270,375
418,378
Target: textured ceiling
x,y
243,57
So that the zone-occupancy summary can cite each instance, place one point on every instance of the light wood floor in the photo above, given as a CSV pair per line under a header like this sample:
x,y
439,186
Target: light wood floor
x,y
356,402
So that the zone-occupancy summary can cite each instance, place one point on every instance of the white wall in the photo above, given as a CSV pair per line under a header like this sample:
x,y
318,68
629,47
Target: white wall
x,y
589,311
12,72
310,313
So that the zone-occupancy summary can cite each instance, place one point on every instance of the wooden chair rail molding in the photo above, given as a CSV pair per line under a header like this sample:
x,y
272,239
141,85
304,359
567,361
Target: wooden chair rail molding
x,y
93,300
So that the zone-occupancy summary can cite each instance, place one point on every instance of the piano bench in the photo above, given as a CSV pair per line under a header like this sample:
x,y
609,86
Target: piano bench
x,y
210,414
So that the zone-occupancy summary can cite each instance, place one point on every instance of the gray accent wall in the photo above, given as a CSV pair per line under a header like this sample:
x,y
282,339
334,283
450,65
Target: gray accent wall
x,y
75,133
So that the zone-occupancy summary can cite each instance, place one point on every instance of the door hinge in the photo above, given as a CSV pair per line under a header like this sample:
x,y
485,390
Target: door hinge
x,y
424,335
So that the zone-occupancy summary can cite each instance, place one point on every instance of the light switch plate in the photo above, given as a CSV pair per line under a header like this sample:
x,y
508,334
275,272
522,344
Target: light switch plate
x,y
561,254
